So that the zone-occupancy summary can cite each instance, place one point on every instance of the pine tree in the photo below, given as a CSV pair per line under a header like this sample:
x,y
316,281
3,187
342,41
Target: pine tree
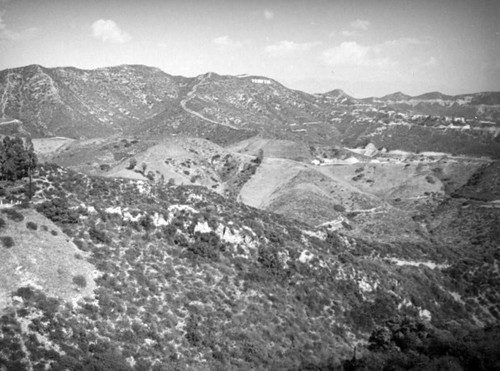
x,y
9,171
17,158
20,158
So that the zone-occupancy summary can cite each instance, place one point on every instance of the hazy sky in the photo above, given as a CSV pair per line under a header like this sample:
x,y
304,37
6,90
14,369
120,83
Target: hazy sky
x,y
364,47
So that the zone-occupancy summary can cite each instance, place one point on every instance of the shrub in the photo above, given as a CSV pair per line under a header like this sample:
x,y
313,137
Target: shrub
x,y
204,250
7,241
80,281
31,225
430,179
25,292
2,223
53,233
339,208
13,214
132,164
58,210
98,236
259,158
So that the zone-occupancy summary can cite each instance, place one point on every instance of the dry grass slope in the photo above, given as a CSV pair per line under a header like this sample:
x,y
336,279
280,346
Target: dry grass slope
x,y
43,258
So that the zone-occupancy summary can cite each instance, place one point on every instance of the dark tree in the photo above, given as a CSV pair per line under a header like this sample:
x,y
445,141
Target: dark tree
x,y
17,159
32,163
132,163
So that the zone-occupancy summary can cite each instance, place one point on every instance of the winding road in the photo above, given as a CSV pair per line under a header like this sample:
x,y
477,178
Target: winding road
x,y
191,95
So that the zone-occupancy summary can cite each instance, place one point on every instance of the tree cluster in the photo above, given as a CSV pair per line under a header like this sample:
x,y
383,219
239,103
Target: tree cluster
x,y
410,344
17,158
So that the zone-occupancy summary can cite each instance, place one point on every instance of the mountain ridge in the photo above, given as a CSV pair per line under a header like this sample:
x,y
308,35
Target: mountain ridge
x,y
431,94
146,101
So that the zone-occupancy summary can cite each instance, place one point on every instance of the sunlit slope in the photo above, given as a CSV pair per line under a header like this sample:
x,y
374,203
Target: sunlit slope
x,y
280,181
39,254
181,160
274,148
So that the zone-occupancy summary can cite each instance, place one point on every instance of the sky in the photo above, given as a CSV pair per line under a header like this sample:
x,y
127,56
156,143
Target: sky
x,y
366,48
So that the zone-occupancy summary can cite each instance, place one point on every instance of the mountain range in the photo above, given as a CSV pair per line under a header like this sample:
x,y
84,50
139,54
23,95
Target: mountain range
x,y
132,99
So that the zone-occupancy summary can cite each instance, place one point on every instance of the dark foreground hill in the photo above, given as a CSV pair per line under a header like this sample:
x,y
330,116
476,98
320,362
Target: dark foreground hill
x,y
187,279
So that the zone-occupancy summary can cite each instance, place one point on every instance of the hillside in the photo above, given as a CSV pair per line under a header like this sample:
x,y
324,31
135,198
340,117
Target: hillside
x,y
188,279
133,100
40,256
330,186
228,222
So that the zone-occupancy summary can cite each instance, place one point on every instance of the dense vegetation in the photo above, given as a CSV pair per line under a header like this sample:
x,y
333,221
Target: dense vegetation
x,y
191,280
17,158
404,343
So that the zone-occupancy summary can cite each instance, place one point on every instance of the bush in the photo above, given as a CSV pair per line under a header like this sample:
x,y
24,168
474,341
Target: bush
x,y
259,158
7,241
31,225
339,208
98,236
2,223
132,164
13,214
80,281
58,210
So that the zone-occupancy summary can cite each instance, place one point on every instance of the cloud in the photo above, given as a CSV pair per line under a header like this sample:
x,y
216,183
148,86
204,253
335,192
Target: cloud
x,y
357,26
8,34
108,31
226,42
287,47
268,14
431,62
360,24
350,53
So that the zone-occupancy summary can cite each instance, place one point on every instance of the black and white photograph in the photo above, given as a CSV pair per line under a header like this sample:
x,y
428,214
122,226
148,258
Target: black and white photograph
x,y
221,185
